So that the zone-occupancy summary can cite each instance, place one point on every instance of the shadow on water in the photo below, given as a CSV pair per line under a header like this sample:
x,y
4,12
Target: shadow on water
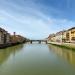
x,y
5,53
67,54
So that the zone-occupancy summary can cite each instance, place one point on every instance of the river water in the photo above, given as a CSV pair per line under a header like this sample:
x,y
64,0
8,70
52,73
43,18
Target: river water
x,y
37,59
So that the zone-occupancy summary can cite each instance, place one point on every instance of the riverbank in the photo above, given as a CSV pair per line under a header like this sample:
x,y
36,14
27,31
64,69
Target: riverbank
x,y
64,45
2,46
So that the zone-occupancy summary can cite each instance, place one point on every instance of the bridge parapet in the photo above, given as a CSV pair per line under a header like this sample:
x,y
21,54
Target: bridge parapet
x,y
39,41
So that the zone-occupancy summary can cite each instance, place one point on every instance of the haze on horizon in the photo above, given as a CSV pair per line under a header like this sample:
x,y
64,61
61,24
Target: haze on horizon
x,y
36,19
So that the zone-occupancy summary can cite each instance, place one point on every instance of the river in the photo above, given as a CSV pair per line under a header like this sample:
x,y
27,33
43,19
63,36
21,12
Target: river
x,y
37,59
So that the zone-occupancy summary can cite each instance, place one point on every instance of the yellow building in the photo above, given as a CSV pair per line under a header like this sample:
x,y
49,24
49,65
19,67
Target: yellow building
x,y
70,35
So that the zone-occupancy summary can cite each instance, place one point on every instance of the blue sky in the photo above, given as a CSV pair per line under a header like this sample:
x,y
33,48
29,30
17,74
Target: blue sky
x,y
36,19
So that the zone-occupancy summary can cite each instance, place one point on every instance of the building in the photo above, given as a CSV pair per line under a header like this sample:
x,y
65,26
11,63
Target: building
x,y
4,36
13,38
8,38
20,39
51,38
1,36
63,36
17,38
70,35
58,37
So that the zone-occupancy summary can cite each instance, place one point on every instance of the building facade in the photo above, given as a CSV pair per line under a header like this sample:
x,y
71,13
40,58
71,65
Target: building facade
x,y
58,37
4,36
51,38
70,35
17,38
66,36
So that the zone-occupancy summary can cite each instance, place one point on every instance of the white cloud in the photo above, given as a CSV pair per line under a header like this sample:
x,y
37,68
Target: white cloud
x,y
27,19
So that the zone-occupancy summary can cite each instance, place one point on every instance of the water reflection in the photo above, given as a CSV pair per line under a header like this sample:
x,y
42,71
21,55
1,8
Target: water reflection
x,y
35,59
5,53
68,55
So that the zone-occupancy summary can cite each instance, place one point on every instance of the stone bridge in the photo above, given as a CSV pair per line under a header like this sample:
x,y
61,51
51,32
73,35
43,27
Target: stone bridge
x,y
39,41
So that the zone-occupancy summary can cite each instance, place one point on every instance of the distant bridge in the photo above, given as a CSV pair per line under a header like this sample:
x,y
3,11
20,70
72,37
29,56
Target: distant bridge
x,y
39,41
